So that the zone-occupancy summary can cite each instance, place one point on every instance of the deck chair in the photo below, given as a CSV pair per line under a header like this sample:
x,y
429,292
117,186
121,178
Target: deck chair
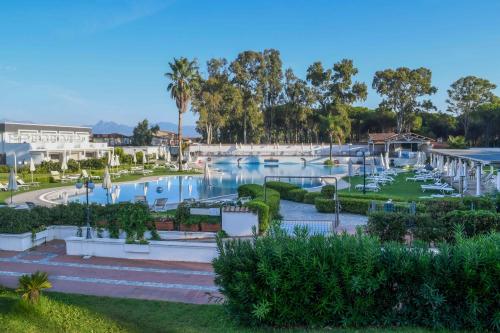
x,y
140,199
56,176
159,205
21,184
3,187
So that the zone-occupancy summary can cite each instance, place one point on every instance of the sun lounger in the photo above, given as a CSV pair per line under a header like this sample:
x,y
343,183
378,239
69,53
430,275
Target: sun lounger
x,y
369,187
159,205
140,199
442,188
3,187
21,184
85,174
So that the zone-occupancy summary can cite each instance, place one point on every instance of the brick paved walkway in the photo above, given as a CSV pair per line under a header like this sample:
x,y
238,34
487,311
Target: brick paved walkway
x,y
145,279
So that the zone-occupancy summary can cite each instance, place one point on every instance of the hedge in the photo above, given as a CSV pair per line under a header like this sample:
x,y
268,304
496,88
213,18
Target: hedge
x,y
16,221
388,226
272,201
282,188
282,280
473,222
310,197
328,191
324,205
297,195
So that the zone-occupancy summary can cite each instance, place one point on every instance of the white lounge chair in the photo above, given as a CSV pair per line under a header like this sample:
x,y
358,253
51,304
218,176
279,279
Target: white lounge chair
x,y
159,205
442,188
3,187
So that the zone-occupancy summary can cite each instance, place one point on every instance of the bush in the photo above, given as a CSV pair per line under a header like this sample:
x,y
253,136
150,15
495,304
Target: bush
x,y
282,280
388,226
272,200
250,190
324,205
427,229
297,195
310,197
182,213
282,188
354,206
263,212
473,222
134,218
328,191
328,162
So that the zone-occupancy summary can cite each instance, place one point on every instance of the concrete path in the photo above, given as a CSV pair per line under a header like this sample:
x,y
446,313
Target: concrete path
x,y
144,279
306,214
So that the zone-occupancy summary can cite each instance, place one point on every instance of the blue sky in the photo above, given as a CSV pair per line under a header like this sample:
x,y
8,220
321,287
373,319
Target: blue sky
x,y
78,62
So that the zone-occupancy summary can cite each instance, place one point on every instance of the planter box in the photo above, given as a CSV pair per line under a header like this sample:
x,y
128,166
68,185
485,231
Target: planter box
x,y
157,250
24,241
189,227
137,248
164,225
210,227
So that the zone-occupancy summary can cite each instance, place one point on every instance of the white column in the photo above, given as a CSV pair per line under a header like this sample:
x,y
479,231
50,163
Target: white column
x,y
478,179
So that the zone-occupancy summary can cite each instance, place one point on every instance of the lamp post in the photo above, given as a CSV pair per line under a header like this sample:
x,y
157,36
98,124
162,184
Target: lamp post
x,y
89,184
364,170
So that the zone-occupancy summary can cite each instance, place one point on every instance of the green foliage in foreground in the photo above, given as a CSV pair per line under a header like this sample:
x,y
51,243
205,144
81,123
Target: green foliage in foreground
x,y
78,313
267,206
355,281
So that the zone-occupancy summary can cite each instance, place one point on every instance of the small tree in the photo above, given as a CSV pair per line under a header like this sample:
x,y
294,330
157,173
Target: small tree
x,y
31,286
143,134
466,95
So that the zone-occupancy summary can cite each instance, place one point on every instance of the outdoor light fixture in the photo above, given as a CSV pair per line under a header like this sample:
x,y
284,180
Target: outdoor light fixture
x,y
89,184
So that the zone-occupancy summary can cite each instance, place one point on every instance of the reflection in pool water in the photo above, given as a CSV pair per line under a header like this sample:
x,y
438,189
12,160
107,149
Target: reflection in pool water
x,y
178,188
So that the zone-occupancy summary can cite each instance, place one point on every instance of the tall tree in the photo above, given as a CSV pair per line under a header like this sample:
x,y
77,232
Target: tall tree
x,y
184,79
248,75
319,78
401,89
335,126
272,87
466,95
143,134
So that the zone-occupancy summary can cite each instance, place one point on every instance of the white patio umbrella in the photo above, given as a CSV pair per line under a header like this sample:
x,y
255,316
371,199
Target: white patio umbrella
x,y
382,162
387,162
117,160
64,165
106,183
15,163
134,158
113,197
110,158
65,198
145,189
350,170
32,168
206,174
144,158
12,185
156,155
190,189
167,156
117,191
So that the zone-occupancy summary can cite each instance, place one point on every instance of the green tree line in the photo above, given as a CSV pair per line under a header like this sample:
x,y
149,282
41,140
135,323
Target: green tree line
x,y
253,99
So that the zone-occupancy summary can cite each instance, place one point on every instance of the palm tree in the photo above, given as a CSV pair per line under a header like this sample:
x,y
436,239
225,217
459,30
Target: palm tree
x,y
184,79
334,127
30,286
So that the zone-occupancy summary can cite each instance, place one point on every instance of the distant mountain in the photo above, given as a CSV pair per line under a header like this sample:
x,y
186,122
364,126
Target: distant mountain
x,y
106,127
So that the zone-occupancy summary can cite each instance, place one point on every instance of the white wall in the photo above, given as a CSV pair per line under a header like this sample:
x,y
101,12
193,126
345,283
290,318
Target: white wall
x,y
155,250
239,224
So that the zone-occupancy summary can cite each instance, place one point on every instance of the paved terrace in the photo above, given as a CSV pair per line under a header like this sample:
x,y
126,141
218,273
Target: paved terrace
x,y
143,279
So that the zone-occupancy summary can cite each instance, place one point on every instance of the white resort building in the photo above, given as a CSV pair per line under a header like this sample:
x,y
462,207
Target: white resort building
x,y
22,141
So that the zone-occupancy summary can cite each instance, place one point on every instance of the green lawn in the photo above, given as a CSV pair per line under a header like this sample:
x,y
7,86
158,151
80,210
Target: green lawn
x,y
5,196
59,312
400,189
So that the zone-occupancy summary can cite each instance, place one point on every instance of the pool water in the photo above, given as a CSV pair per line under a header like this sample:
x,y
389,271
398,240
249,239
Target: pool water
x,y
225,182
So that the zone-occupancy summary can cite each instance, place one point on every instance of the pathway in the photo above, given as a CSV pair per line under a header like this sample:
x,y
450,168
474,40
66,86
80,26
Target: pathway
x,y
301,213
144,279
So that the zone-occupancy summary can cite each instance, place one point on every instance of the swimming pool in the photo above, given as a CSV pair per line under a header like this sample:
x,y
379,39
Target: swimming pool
x,y
225,182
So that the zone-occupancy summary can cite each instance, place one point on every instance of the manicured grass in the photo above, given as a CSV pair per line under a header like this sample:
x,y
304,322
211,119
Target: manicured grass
x,y
400,189
78,313
5,196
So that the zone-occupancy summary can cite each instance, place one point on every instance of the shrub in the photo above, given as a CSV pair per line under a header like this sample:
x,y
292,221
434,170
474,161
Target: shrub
x,y
263,212
473,222
182,213
282,280
282,188
250,190
427,229
324,205
310,197
133,219
328,162
31,286
297,195
328,191
272,200
354,206
388,226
